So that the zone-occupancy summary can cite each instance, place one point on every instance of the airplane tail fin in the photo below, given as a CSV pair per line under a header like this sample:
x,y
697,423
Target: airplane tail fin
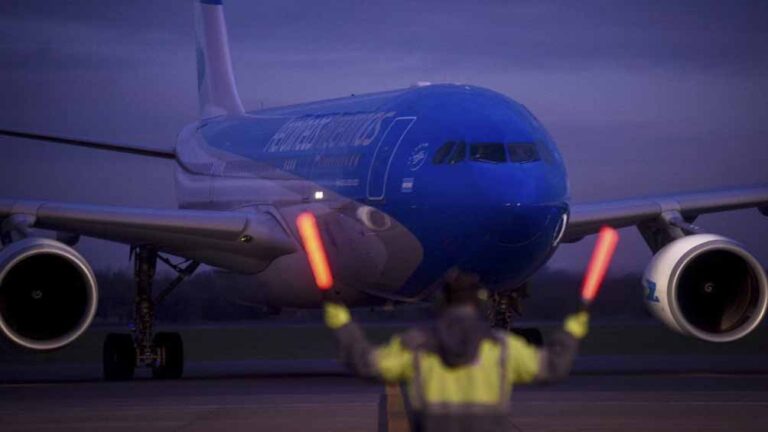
x,y
215,80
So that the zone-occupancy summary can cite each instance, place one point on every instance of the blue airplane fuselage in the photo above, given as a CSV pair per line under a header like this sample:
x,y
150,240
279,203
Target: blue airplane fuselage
x,y
441,175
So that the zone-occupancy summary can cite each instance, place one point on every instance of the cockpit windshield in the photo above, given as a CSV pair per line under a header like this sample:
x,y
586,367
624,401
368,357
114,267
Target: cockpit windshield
x,y
487,152
453,152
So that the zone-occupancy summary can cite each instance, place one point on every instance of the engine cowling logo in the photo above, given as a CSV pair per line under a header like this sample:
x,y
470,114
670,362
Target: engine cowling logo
x,y
650,292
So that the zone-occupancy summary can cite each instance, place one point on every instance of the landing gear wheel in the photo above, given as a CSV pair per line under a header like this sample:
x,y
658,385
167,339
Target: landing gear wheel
x,y
119,357
170,356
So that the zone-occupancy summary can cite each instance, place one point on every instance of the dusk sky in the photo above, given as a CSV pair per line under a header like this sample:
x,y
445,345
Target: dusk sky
x,y
643,98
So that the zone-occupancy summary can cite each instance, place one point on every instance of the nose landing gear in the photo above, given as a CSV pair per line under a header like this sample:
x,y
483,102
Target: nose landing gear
x,y
162,352
504,305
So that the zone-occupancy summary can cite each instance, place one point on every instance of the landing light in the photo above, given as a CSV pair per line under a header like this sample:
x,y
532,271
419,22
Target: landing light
x,y
319,195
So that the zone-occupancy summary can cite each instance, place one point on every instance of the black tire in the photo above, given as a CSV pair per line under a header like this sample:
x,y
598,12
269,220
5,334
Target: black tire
x,y
531,335
170,353
119,357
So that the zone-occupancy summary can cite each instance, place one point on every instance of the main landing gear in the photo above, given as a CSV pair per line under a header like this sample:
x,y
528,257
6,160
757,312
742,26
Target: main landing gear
x,y
504,305
163,352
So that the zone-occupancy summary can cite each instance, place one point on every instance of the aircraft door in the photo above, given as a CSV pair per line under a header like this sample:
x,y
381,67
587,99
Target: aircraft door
x,y
382,158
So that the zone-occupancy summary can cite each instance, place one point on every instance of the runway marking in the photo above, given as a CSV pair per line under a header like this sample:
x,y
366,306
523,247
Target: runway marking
x,y
397,417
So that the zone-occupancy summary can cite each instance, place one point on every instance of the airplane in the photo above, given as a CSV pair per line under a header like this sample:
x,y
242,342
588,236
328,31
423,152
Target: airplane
x,y
405,184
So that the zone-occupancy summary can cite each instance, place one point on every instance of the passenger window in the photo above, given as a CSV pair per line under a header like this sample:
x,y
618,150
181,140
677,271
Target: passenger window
x,y
487,152
442,153
523,152
459,153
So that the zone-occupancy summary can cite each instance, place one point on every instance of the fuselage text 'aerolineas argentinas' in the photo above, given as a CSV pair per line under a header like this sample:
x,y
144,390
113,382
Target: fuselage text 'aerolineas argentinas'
x,y
404,184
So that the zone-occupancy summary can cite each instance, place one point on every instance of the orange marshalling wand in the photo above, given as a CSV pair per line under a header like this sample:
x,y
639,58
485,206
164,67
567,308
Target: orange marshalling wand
x,y
607,240
313,244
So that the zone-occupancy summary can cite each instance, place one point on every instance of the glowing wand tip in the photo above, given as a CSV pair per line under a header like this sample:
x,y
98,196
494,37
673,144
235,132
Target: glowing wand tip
x,y
607,239
313,244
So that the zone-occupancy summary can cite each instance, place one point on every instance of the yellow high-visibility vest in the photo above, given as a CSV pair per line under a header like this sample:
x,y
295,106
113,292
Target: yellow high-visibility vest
x,y
484,384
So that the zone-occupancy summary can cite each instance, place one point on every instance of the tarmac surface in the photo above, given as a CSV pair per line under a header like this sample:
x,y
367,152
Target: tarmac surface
x,y
277,377
332,401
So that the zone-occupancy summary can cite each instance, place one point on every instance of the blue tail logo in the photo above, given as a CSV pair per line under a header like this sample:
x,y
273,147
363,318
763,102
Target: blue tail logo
x,y
650,291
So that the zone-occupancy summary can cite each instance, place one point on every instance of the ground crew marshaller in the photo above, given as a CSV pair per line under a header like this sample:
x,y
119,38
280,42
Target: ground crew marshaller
x,y
459,371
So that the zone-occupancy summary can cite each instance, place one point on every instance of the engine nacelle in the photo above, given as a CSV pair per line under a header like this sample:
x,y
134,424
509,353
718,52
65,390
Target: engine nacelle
x,y
48,293
708,287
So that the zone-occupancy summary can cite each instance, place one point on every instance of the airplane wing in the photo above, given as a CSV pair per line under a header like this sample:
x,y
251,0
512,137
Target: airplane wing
x,y
78,142
245,241
680,209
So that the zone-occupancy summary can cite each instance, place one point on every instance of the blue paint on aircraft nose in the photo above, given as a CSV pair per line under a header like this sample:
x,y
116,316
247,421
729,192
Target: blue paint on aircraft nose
x,y
512,239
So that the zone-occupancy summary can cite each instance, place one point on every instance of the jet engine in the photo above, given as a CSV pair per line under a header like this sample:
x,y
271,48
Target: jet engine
x,y
48,293
708,287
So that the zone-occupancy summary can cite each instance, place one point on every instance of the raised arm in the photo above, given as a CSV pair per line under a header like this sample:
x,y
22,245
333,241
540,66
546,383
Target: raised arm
x,y
527,363
391,362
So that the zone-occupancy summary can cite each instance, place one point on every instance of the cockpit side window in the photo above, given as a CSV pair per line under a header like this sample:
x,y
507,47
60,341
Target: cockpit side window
x,y
443,152
487,152
523,152
452,152
459,153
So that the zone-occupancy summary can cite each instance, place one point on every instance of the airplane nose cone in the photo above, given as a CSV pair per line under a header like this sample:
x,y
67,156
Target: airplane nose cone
x,y
510,241
516,224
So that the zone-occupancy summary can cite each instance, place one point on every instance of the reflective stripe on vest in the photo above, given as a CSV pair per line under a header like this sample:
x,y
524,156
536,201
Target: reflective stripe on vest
x,y
476,388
